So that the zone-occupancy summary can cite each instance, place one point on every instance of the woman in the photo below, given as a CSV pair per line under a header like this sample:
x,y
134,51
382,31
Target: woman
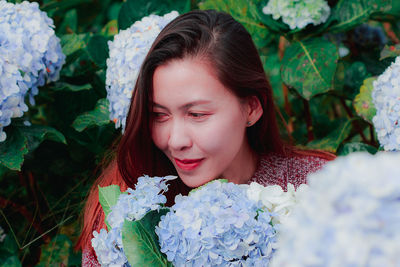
x,y
202,109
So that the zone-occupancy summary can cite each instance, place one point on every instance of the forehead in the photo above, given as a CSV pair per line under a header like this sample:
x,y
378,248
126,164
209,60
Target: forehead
x,y
182,81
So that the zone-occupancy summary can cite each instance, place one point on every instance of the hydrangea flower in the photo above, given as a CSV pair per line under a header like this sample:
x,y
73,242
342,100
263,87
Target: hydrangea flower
x,y
217,225
127,52
132,206
30,56
298,13
350,215
386,98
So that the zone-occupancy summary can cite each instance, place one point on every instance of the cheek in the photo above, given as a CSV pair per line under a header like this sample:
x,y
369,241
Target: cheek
x,y
159,137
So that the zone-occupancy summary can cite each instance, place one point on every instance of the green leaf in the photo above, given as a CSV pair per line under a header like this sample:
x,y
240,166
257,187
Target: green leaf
x,y
245,12
70,22
13,149
62,86
272,67
140,241
363,101
73,42
309,66
56,253
98,50
351,13
273,24
108,197
36,134
97,117
334,139
110,29
11,261
390,51
134,10
355,147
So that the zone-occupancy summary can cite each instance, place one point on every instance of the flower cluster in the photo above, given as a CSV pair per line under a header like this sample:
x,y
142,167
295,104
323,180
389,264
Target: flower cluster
x,y
217,225
386,98
350,215
30,56
298,13
132,206
127,52
366,36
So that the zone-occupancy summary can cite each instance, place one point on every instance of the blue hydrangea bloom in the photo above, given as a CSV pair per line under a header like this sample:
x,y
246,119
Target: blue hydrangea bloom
x,y
30,56
133,205
349,216
127,53
386,98
217,225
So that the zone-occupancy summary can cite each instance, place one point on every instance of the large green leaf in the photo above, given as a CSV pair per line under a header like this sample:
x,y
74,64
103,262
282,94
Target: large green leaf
x,y
350,13
140,241
70,22
108,197
332,142
363,101
246,12
309,66
13,149
97,117
73,42
134,10
98,49
36,134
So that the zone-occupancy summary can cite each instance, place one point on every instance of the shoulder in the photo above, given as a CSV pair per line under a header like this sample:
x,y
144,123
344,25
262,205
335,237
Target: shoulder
x,y
277,169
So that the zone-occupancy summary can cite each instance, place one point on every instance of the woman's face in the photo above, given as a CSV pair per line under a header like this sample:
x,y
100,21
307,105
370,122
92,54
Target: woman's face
x,y
199,124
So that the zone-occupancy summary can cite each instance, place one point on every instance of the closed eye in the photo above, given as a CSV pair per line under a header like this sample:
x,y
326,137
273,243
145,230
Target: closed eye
x,y
160,116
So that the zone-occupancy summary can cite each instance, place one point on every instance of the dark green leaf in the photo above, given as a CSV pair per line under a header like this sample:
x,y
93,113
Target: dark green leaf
x,y
99,116
56,253
245,12
390,51
98,49
70,22
363,101
11,261
13,149
36,134
59,86
140,241
309,66
134,10
273,24
272,66
73,42
355,147
108,197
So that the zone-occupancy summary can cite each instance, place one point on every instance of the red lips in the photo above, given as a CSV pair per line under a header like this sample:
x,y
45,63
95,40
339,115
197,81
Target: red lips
x,y
188,164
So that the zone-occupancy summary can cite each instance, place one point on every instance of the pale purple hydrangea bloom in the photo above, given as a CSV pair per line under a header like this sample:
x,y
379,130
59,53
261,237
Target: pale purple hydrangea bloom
x,y
147,196
349,216
386,98
127,52
30,56
217,225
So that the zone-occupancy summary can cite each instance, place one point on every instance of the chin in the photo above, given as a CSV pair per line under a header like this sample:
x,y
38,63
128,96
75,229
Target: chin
x,y
193,182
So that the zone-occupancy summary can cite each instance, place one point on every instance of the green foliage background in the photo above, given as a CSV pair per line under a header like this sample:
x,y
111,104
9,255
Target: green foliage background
x,y
323,101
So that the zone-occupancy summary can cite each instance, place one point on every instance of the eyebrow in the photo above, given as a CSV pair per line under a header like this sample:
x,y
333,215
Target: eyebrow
x,y
186,106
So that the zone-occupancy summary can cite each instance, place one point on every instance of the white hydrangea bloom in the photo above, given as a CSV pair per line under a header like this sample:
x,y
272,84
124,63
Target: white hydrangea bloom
x,y
30,56
386,98
349,216
298,13
127,52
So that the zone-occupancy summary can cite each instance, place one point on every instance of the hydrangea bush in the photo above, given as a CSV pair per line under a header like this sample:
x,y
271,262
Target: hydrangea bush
x,y
386,98
30,56
127,53
350,215
298,13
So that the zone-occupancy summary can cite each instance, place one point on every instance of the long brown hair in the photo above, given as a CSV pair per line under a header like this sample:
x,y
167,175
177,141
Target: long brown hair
x,y
223,42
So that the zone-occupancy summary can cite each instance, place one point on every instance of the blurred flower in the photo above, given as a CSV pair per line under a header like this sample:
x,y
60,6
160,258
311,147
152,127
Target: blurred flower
x,y
298,13
217,225
386,98
369,37
127,52
350,215
2,234
30,56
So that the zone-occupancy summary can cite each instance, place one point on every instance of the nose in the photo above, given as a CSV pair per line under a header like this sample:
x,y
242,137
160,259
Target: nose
x,y
179,139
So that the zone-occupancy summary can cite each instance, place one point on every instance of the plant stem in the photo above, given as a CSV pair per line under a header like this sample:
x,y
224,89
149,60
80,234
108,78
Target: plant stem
x,y
310,132
355,123
390,33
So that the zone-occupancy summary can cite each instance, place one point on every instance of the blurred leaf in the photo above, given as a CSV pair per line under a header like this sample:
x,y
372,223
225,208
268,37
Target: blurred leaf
x,y
11,261
334,139
36,134
273,24
110,29
70,22
73,42
98,50
355,75
113,12
57,252
390,51
363,101
309,66
99,116
355,147
13,149
140,241
245,12
108,197
59,86
134,10
57,6
272,66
